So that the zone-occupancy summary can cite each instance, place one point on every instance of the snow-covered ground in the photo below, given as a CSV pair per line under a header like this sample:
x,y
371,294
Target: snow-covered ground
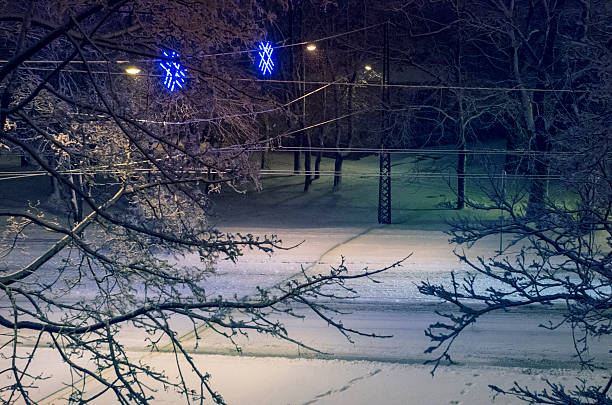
x,y
293,381
499,349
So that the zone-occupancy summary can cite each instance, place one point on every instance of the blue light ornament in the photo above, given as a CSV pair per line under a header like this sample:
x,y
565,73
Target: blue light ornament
x,y
266,64
175,74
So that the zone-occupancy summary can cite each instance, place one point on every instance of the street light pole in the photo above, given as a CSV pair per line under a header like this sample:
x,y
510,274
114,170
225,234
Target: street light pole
x,y
307,153
384,180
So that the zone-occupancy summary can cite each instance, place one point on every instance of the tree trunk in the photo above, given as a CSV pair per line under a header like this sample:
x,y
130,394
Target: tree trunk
x,y
296,161
307,165
539,169
461,173
77,201
339,155
294,76
461,121
55,190
265,146
540,139
512,163
338,160
337,172
317,170
321,138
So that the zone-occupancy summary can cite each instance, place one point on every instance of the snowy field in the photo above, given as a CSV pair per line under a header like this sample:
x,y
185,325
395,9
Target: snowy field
x,y
297,381
499,349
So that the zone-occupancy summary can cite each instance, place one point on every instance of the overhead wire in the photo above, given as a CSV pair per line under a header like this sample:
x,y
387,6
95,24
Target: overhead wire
x,y
219,118
2,177
281,45
331,36
291,173
400,151
253,113
132,166
409,151
98,72
277,45
420,86
351,84
295,131
323,84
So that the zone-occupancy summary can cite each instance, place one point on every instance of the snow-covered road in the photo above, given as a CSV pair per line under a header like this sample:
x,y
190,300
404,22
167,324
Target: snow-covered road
x,y
507,343
426,252
393,306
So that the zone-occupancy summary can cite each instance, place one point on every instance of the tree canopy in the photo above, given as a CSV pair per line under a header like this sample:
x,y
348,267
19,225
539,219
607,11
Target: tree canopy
x,y
133,165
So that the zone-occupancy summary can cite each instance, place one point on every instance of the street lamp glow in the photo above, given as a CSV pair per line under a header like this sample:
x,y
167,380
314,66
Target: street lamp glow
x,y
132,70
368,67
311,47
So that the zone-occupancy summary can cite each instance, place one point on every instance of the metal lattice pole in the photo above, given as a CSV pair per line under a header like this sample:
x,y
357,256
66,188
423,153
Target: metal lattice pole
x,y
384,182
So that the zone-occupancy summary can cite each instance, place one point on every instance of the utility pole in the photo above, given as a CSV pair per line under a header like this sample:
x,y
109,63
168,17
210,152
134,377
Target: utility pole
x,y
384,180
310,48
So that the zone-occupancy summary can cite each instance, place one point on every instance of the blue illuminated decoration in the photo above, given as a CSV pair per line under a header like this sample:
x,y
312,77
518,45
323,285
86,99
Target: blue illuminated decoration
x,y
175,74
266,64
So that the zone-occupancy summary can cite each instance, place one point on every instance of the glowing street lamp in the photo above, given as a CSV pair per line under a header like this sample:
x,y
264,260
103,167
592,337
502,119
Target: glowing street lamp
x,y
311,47
132,70
368,67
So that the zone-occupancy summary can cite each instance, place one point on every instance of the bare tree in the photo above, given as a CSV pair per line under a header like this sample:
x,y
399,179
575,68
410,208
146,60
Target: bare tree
x,y
564,257
139,163
564,261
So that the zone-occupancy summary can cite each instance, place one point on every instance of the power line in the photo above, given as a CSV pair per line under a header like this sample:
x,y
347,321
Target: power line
x,y
201,56
116,169
424,175
419,86
76,61
277,46
399,151
350,84
22,176
212,119
332,36
97,72
293,132
291,173
197,120
404,151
